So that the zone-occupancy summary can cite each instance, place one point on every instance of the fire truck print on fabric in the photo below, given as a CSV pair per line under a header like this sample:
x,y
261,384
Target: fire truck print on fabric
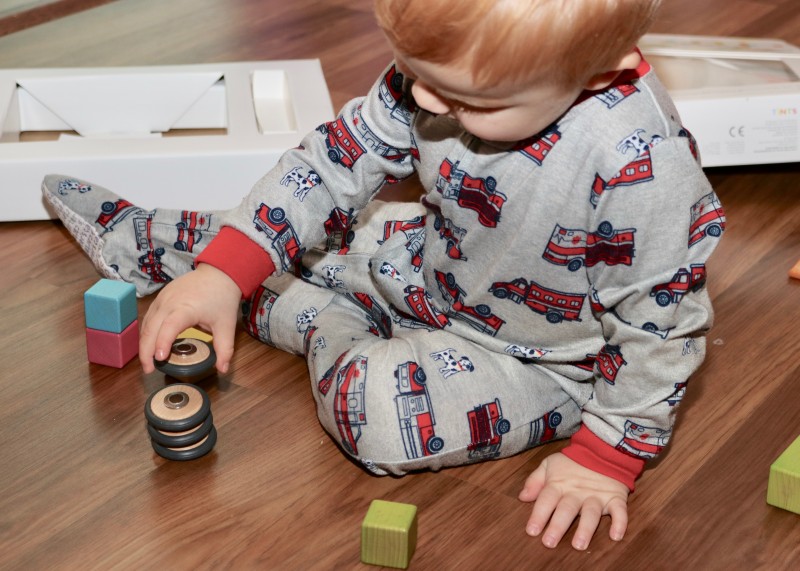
x,y
348,404
478,194
643,441
486,427
190,230
150,261
707,219
415,413
479,317
556,306
274,224
255,313
544,429
575,248
639,170
538,149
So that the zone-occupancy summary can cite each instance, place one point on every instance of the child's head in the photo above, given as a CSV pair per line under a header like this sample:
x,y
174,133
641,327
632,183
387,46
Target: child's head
x,y
505,69
517,41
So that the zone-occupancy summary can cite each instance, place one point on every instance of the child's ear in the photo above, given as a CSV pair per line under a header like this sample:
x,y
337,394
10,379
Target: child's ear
x,y
631,60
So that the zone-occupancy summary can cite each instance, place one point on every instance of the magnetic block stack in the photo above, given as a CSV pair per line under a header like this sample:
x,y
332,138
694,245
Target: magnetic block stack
x,y
112,327
389,534
783,490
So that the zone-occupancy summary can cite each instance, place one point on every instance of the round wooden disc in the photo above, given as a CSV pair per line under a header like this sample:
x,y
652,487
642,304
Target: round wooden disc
x,y
190,360
190,452
177,408
181,439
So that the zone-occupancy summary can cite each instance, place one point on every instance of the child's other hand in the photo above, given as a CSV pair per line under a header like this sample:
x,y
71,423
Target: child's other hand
x,y
562,490
206,297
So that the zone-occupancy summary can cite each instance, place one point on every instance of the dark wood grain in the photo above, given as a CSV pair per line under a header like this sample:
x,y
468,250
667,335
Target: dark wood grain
x,y
80,487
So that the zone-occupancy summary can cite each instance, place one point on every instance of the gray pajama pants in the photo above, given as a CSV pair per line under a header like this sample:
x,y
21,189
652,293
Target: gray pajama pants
x,y
395,391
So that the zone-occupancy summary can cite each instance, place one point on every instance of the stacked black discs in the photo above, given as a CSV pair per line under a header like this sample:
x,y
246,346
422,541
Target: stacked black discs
x,y
179,422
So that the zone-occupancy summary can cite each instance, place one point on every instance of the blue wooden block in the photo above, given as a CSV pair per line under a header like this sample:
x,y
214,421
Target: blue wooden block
x,y
110,306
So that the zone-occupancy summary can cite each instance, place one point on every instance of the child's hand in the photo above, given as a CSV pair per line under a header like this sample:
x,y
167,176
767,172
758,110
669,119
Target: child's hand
x,y
206,297
563,490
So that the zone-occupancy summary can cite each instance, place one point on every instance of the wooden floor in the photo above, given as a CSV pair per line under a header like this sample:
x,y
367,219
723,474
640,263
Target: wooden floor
x,y
80,487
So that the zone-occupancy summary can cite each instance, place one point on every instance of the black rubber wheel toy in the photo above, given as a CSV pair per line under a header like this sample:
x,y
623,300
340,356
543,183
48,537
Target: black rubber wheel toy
x,y
177,408
184,438
189,453
190,360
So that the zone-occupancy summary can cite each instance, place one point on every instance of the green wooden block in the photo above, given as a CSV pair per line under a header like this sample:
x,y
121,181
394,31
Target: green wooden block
x,y
389,534
783,490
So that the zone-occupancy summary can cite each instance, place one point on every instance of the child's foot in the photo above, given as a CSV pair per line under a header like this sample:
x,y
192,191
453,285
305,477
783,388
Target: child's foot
x,y
126,242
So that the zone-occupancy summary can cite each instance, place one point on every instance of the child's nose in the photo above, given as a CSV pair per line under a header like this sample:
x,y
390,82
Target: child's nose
x,y
428,99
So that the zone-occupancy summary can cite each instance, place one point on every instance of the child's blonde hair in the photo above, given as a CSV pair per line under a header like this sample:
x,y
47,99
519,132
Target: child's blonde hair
x,y
514,41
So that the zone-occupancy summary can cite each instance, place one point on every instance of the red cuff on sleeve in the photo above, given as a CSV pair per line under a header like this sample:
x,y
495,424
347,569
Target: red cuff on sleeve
x,y
589,451
238,256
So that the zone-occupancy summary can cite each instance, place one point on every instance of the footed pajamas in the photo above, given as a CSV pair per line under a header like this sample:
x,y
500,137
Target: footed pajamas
x,y
543,289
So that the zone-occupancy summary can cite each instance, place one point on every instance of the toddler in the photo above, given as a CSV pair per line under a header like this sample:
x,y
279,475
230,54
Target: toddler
x,y
550,283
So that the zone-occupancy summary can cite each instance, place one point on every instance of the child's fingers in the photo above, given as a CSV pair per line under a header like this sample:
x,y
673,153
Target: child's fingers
x,y
565,513
618,510
533,485
591,512
546,503
224,333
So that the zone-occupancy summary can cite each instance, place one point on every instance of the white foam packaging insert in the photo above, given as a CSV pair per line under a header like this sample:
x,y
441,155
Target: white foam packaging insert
x,y
739,97
191,136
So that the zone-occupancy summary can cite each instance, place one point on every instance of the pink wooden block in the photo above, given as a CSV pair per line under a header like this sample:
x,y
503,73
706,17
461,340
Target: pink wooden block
x,y
113,349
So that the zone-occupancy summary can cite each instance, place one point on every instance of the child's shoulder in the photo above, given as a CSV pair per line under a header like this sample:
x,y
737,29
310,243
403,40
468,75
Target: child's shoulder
x,y
627,118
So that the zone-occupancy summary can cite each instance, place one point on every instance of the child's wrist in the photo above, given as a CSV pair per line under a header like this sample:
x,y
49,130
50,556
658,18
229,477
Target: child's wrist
x,y
589,451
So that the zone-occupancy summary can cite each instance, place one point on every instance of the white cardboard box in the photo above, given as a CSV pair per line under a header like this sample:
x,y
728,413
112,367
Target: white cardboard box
x,y
192,136
739,97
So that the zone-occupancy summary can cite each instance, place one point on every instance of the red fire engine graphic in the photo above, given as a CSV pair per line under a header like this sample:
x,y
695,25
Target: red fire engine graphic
x,y
112,213
421,305
324,384
677,396
479,317
486,427
637,171
415,413
149,262
556,306
413,230
544,429
643,441
273,223
478,194
538,149
452,236
190,230
339,232
707,219
612,97
373,141
348,406
391,94
381,319
343,148
574,247
609,361
255,313
685,280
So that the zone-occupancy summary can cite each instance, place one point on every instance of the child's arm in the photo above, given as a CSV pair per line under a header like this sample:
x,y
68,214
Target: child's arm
x,y
563,490
206,297
332,174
